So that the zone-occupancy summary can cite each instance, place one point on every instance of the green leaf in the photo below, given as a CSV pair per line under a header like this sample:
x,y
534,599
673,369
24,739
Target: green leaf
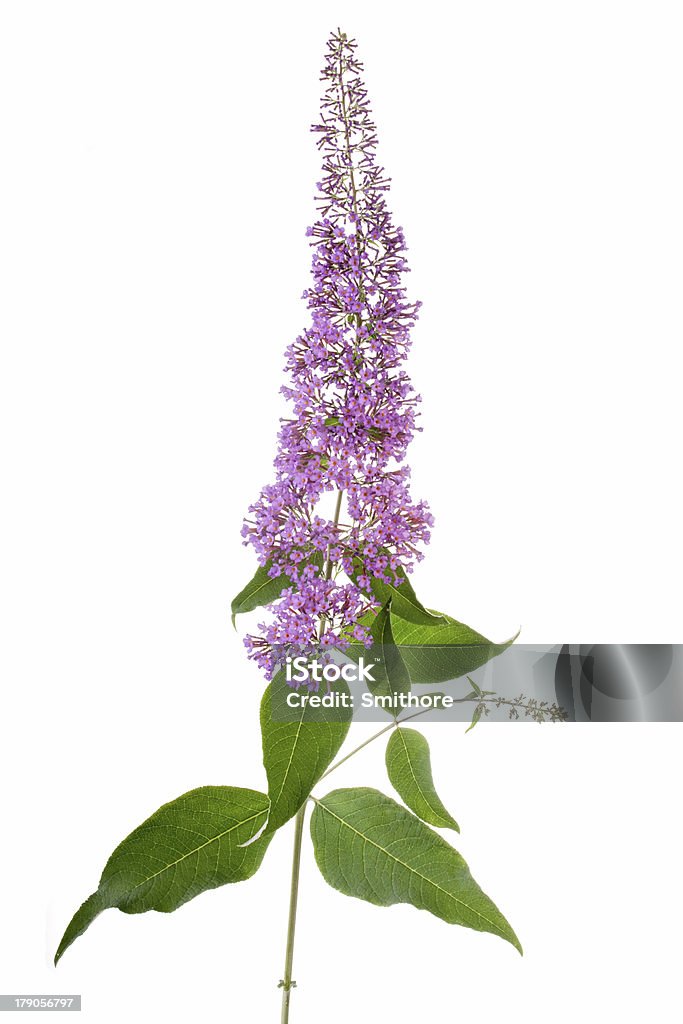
x,y
410,773
390,674
475,718
189,845
296,753
475,688
404,601
368,846
263,589
444,651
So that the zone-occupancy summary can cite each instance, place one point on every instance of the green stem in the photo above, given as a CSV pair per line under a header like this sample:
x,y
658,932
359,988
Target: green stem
x,y
287,984
375,736
329,565
341,760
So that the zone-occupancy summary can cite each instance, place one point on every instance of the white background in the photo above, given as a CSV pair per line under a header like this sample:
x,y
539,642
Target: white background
x,y
156,180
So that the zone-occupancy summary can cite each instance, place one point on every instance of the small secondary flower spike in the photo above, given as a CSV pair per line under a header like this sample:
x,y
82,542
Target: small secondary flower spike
x,y
340,583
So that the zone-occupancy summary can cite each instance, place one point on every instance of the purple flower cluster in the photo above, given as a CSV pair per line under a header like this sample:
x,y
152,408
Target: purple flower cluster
x,y
353,407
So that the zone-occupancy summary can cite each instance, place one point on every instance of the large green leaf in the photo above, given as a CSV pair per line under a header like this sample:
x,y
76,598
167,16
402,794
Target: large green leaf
x,y
189,845
410,773
298,746
370,847
263,589
404,601
390,674
444,651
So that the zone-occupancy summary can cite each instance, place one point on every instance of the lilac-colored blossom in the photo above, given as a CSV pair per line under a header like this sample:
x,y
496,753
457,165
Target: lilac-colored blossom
x,y
353,406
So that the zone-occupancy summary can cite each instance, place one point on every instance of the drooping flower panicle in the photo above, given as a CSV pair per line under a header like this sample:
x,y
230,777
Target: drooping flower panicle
x,y
353,406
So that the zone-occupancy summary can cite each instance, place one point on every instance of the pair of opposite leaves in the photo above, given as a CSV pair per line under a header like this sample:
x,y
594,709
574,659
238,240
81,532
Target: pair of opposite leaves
x,y
366,845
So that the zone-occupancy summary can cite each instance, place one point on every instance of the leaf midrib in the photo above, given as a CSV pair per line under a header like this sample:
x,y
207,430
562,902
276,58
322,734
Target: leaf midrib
x,y
495,927
424,796
412,603
291,758
190,853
